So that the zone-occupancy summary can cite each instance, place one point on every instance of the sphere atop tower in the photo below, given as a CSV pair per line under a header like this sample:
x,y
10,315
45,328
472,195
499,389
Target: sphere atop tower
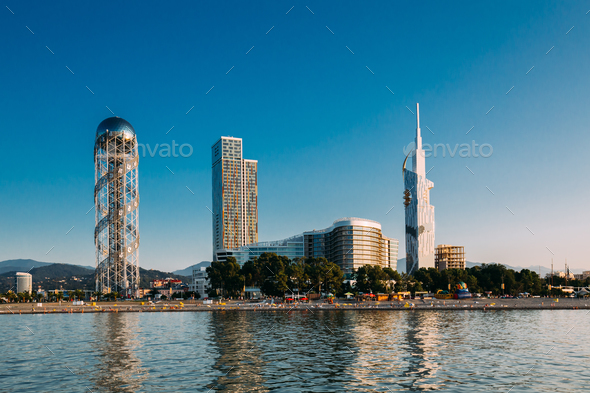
x,y
117,125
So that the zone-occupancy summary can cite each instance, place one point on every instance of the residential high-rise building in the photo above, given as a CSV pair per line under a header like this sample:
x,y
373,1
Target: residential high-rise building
x,y
351,243
235,196
419,211
449,257
116,201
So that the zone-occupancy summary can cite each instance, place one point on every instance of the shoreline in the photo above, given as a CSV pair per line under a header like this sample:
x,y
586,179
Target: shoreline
x,y
409,305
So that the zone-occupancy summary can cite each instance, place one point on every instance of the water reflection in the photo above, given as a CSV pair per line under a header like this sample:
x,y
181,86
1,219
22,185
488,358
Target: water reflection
x,y
239,366
303,351
115,342
287,351
423,338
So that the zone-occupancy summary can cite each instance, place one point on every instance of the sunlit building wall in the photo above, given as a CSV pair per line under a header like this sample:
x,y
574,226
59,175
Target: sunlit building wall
x,y
351,243
449,257
235,196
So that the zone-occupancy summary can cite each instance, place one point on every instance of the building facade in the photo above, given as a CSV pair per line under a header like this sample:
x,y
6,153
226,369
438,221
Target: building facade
x,y
419,211
235,196
582,276
291,248
24,283
351,243
200,282
449,257
116,201
165,283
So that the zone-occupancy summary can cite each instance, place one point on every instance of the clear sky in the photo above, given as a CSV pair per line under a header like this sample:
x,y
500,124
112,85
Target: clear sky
x,y
312,102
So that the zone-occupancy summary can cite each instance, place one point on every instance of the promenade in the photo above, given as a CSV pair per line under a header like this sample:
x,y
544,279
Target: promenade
x,y
320,305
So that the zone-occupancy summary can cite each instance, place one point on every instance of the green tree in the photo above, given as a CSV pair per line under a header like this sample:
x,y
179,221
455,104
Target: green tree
x,y
297,279
78,294
226,276
12,297
251,271
374,279
394,280
333,277
21,297
273,269
430,279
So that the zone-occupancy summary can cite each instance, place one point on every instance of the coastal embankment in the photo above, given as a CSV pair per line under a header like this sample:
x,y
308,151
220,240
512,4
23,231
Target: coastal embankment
x,y
268,306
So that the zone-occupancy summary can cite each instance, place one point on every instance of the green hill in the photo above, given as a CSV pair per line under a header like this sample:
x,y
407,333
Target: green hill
x,y
65,276
145,276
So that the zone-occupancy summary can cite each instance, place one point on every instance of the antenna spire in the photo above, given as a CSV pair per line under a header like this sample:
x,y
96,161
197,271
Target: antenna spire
x,y
418,158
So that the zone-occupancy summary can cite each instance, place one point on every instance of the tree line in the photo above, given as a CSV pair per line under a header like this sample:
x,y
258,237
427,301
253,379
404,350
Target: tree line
x,y
26,297
489,278
278,275
275,275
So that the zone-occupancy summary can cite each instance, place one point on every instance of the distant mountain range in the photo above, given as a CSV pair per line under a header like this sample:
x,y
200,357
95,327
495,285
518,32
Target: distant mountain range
x,y
401,267
50,273
189,270
24,265
67,276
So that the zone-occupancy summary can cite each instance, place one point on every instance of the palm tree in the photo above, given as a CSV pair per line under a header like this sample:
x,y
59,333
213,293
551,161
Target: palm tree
x,y
11,296
40,297
97,295
78,293
59,296
20,296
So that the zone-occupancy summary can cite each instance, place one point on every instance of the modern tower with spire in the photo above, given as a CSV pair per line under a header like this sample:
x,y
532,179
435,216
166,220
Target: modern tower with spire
x,y
419,212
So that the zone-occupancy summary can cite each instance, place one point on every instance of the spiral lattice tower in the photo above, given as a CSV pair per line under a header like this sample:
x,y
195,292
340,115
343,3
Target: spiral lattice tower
x,y
116,201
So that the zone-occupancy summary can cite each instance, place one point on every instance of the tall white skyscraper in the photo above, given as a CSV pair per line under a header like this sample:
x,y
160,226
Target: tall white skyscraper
x,y
419,211
235,196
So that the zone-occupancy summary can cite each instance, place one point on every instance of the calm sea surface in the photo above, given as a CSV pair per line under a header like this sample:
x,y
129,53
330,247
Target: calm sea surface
x,y
323,351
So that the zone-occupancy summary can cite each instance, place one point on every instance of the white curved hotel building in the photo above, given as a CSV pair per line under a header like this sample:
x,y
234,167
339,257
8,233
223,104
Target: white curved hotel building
x,y
352,242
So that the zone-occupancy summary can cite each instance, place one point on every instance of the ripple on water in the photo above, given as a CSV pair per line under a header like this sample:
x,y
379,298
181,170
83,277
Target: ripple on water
x,y
320,351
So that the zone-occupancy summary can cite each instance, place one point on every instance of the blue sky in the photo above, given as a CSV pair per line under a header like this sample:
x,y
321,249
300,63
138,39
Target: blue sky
x,y
327,133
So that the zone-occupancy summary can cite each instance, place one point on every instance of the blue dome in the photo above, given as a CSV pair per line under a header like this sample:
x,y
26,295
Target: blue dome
x,y
115,124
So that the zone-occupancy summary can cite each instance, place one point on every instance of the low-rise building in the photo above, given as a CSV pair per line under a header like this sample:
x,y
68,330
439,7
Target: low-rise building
x,y
291,248
449,257
582,276
165,283
200,282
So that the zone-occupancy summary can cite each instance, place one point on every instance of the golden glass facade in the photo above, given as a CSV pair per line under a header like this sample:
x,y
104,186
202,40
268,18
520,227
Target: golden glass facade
x,y
235,196
352,243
